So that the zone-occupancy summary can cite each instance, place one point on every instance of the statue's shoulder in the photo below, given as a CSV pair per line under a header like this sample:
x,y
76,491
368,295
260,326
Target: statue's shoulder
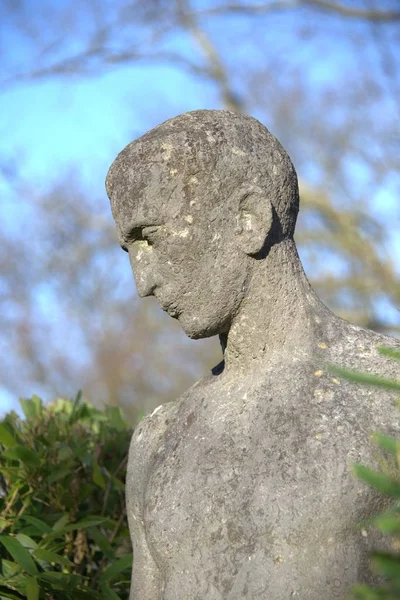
x,y
147,439
356,348
149,435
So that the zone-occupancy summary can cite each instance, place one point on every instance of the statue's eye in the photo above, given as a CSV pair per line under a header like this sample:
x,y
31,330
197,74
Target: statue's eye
x,y
144,235
134,235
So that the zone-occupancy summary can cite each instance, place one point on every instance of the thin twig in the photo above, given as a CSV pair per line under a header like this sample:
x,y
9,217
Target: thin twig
x,y
332,7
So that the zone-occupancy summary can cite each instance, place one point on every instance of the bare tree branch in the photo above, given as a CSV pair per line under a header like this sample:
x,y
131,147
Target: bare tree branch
x,y
279,6
79,65
355,13
216,67
98,51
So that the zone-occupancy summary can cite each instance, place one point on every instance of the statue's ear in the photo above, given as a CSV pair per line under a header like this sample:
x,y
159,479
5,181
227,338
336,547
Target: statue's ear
x,y
254,220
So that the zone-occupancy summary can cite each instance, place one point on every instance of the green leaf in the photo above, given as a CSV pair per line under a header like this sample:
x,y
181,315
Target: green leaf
x,y
41,526
120,565
17,583
64,453
60,581
380,481
88,414
21,453
76,404
38,404
390,352
60,524
51,557
117,483
88,522
59,528
140,417
388,521
108,593
29,407
6,437
102,543
387,443
9,568
32,589
54,576
387,564
58,474
5,595
115,418
19,554
356,377
26,541
97,476
363,592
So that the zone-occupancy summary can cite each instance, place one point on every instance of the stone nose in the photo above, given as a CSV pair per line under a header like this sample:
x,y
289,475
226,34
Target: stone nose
x,y
143,270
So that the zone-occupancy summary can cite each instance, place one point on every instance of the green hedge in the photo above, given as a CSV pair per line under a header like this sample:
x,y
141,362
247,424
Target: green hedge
x,y
63,527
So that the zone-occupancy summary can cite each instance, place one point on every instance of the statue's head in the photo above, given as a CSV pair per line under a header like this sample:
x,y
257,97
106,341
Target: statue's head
x,y
197,202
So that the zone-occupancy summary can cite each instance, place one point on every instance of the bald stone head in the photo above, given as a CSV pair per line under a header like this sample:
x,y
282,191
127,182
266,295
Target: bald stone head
x,y
196,201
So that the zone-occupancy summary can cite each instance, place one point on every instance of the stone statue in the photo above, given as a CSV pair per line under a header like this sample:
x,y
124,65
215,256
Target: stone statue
x,y
241,488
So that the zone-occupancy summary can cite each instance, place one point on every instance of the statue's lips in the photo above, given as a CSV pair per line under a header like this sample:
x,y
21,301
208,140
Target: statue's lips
x,y
169,307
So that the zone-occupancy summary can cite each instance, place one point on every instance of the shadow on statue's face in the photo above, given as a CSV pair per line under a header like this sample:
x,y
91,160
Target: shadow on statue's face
x,y
189,262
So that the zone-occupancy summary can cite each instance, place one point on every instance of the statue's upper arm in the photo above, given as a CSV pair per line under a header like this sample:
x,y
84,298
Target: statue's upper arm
x,y
146,440
145,575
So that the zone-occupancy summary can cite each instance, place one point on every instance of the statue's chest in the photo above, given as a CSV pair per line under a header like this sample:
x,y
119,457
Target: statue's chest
x,y
239,469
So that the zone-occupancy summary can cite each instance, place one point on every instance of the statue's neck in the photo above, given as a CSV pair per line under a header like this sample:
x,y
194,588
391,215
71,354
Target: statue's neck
x,y
279,315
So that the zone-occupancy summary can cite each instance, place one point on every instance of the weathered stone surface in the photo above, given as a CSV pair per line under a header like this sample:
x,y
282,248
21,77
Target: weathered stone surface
x,y
241,488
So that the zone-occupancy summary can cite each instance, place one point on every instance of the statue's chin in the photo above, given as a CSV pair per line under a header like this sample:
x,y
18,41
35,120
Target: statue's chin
x,y
196,330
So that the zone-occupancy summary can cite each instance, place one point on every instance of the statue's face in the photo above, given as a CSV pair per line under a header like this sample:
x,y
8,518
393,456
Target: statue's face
x,y
182,253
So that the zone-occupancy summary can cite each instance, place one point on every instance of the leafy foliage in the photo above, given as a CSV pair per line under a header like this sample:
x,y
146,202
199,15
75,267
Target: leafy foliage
x,y
386,564
63,527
